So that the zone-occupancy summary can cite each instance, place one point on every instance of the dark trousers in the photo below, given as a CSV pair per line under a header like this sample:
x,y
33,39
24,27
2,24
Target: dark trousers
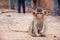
x,y
59,7
21,3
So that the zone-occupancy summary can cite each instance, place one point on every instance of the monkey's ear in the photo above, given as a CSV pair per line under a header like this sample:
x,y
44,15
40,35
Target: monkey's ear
x,y
34,13
45,12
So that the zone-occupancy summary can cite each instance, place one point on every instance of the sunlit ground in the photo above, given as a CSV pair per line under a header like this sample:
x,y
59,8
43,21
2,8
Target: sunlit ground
x,y
13,21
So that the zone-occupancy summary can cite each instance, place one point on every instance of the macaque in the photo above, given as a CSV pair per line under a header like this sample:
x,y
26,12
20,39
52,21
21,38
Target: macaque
x,y
38,27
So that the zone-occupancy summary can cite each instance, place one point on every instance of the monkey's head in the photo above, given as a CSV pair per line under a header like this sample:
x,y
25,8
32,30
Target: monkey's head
x,y
39,13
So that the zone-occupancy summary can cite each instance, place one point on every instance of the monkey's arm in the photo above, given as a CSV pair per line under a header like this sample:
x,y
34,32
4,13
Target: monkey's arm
x,y
35,27
31,27
44,26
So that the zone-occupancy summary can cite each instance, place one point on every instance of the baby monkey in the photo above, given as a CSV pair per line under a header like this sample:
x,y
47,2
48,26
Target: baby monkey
x,y
37,27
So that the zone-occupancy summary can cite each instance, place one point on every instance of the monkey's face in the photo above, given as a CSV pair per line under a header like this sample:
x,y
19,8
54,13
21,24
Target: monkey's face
x,y
39,15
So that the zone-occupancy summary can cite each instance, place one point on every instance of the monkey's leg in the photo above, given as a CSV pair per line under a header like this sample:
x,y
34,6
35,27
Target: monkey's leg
x,y
43,31
40,27
36,29
44,27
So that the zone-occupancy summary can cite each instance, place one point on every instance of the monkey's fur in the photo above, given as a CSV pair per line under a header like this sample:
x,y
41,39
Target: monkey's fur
x,y
38,27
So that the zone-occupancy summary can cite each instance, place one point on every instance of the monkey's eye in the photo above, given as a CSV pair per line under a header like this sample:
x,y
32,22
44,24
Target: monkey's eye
x,y
37,13
45,12
41,13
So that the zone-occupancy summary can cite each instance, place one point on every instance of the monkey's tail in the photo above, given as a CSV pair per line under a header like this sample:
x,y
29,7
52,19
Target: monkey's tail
x,y
16,30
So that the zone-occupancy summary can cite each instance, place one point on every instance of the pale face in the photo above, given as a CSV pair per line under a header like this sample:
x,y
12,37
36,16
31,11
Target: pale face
x,y
39,16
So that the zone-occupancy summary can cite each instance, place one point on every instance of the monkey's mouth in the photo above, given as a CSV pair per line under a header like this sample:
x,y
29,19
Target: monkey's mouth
x,y
39,17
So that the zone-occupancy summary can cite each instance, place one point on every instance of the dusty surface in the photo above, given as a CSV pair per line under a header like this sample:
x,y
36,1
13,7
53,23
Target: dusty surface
x,y
15,21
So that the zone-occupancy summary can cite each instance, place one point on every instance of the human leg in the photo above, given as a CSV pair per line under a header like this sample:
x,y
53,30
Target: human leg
x,y
16,4
19,6
54,7
23,5
10,4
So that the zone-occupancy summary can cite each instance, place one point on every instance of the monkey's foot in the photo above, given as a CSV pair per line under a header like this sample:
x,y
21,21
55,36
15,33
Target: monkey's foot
x,y
37,35
33,35
43,35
